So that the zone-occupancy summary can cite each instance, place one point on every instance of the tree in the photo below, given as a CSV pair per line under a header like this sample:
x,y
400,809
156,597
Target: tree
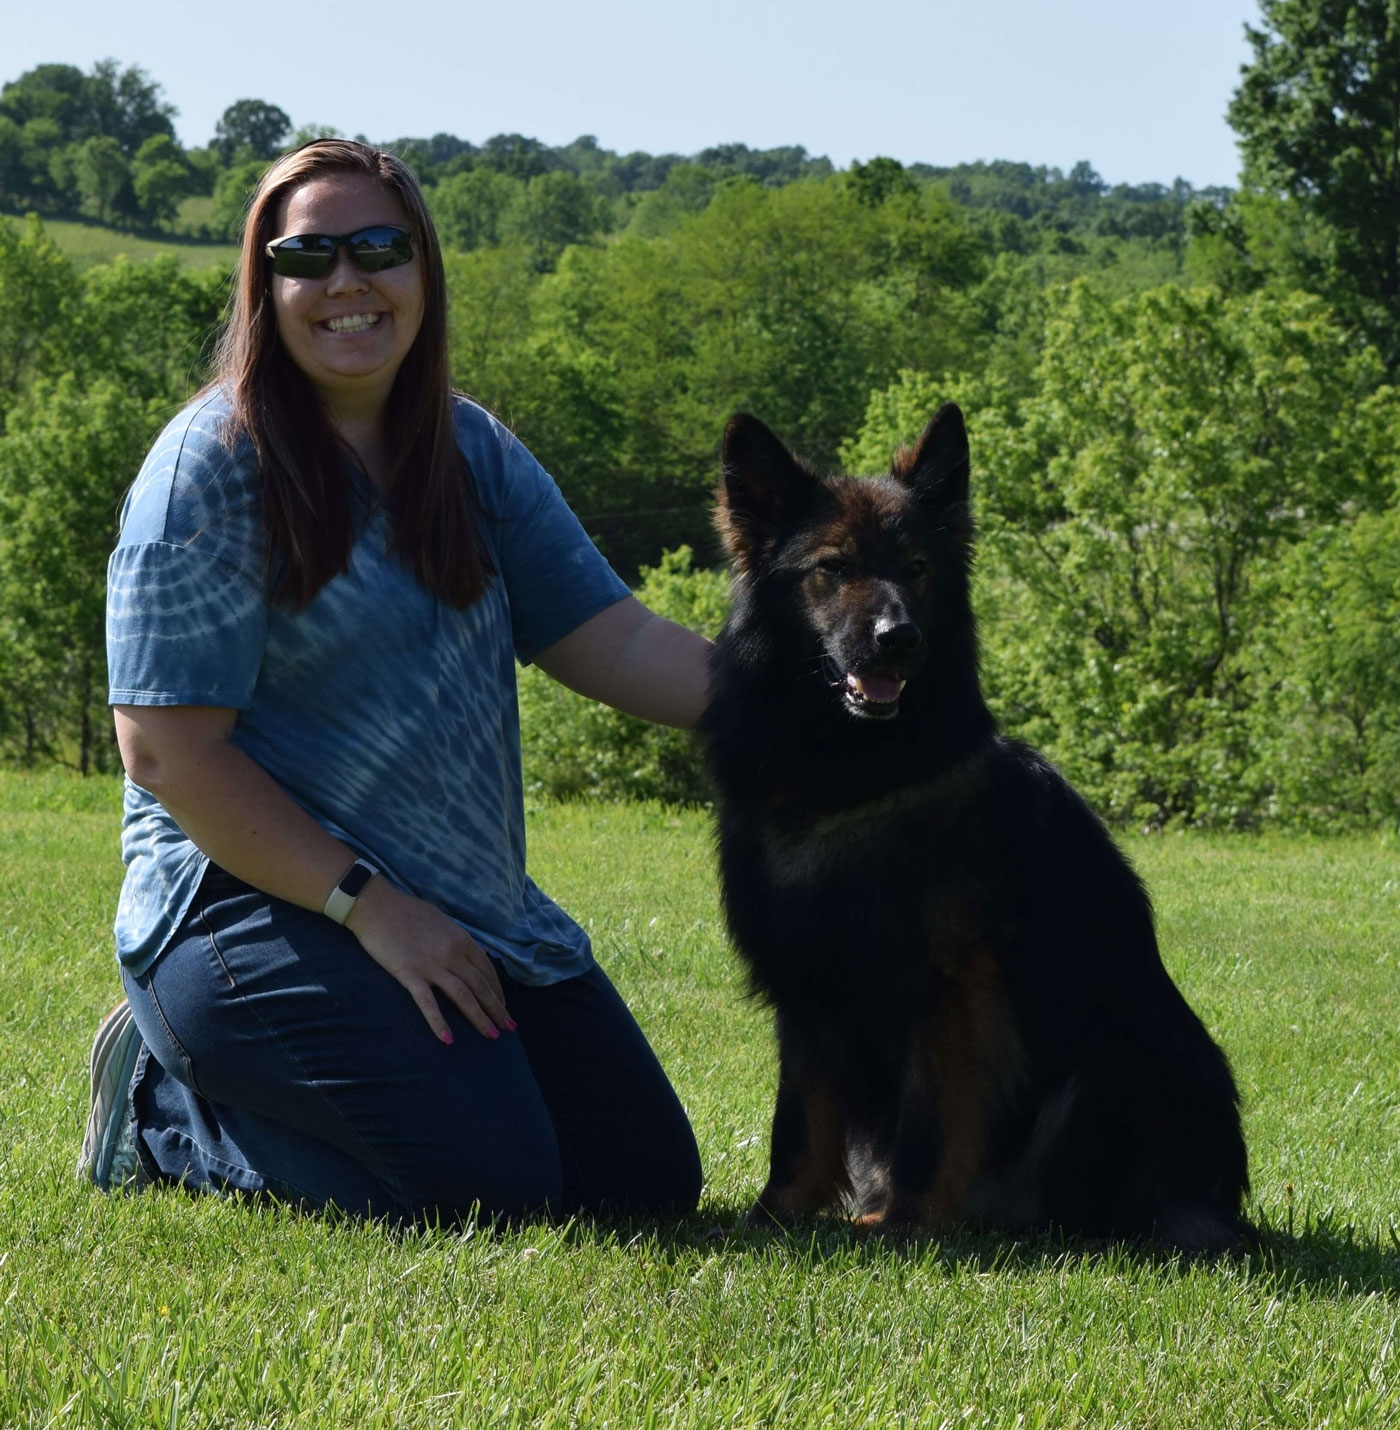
x,y
553,211
67,455
37,291
102,171
250,129
468,208
1318,115
124,104
160,178
232,192
1328,724
147,326
878,180
13,181
1133,507
54,92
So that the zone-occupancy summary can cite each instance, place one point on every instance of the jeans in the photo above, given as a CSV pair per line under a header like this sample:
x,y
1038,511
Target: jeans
x,y
281,1059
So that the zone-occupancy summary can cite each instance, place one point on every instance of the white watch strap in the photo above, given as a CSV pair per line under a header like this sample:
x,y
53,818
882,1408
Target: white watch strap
x,y
340,903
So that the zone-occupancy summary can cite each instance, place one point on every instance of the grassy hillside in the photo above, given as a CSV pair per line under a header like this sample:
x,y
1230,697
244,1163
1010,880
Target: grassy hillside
x,y
167,1310
87,244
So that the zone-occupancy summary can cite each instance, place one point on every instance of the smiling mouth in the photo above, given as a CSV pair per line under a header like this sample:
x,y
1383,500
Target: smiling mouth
x,y
352,323
874,695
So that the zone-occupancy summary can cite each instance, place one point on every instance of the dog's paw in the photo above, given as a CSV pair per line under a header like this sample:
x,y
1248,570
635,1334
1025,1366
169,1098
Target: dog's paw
x,y
761,1217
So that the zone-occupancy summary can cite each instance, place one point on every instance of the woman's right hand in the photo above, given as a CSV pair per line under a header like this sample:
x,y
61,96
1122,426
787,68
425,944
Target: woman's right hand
x,y
421,947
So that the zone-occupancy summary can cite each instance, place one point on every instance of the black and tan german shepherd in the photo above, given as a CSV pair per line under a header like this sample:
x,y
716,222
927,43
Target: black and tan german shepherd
x,y
969,1000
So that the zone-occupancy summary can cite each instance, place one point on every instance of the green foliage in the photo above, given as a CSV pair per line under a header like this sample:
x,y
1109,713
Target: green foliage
x,y
686,190
101,171
67,455
147,326
250,129
573,748
894,417
879,180
36,293
232,192
1327,722
468,208
160,178
1318,114
789,302
1185,494
1133,509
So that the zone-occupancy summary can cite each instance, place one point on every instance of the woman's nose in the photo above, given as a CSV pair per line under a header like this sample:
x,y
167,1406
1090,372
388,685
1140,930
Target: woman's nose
x,y
344,277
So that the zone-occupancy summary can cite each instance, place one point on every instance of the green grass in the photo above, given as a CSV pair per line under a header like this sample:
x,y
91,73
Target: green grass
x,y
166,1310
87,244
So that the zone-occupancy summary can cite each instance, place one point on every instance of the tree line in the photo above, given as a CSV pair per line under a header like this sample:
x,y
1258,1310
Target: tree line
x,y
1183,408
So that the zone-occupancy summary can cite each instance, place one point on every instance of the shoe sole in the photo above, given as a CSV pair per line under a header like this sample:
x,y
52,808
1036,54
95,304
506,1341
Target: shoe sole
x,y
113,1060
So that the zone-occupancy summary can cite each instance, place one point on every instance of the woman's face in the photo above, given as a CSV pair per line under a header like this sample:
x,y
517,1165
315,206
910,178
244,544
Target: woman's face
x,y
348,331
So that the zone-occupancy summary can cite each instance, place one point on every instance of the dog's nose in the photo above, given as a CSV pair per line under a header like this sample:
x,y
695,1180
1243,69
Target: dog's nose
x,y
897,638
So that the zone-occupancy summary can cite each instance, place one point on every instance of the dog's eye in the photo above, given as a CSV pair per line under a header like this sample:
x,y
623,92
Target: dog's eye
x,y
918,568
834,565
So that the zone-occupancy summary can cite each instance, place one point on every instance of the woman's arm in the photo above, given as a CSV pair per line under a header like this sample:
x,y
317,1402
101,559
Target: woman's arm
x,y
635,661
246,823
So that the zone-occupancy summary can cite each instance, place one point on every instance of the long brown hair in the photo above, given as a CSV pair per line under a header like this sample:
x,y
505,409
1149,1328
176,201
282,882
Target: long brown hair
x,y
429,491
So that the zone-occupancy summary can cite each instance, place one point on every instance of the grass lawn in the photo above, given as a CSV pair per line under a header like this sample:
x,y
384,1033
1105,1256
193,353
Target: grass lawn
x,y
165,1310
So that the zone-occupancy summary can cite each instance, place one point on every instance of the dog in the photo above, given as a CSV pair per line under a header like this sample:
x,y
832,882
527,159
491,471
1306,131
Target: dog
x,y
972,1017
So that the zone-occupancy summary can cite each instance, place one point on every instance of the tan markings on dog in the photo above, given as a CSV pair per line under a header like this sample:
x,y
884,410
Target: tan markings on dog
x,y
822,1179
975,1057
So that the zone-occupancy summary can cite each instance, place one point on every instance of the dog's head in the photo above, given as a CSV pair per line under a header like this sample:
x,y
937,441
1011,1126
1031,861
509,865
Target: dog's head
x,y
876,569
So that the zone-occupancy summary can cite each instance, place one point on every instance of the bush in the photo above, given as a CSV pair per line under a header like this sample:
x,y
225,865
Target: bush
x,y
1137,509
574,748
1327,724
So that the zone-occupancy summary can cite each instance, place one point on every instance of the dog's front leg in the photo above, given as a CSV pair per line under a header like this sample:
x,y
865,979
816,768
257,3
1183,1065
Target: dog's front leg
x,y
962,1056
919,1137
807,1155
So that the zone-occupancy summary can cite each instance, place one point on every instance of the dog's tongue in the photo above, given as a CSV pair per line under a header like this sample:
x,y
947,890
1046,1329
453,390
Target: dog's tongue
x,y
881,688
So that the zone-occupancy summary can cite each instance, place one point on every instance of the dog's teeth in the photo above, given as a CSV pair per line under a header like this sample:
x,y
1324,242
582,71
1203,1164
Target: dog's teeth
x,y
880,689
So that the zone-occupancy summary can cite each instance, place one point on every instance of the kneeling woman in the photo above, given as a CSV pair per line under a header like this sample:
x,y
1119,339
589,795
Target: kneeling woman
x,y
346,988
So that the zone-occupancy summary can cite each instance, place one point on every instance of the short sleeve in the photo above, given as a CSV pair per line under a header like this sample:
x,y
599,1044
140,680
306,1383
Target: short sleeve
x,y
555,578
183,628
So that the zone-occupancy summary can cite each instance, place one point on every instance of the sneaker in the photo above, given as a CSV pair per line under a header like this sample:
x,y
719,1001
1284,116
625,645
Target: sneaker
x,y
108,1158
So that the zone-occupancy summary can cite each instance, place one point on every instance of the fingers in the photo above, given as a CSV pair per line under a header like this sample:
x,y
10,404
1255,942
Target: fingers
x,y
477,1004
422,995
486,970
428,954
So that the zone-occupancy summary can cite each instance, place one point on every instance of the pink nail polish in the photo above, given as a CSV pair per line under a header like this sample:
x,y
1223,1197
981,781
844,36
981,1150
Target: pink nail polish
x,y
493,1032
510,1025
446,1036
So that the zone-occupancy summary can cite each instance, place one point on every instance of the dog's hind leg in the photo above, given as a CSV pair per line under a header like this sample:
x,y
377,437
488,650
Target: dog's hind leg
x,y
807,1159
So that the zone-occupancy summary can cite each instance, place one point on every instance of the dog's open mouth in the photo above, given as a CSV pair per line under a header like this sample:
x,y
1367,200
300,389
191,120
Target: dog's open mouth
x,y
875,694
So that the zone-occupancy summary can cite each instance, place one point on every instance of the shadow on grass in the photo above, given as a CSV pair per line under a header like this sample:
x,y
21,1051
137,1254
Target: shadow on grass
x,y
1323,1258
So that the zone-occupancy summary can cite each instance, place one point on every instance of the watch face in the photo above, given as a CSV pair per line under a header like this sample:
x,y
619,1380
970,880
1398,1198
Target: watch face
x,y
359,875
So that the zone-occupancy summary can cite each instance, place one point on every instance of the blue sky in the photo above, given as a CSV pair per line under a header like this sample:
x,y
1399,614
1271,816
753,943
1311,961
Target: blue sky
x,y
1139,90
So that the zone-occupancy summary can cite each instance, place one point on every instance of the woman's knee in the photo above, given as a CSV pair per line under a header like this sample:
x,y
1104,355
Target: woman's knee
x,y
461,1181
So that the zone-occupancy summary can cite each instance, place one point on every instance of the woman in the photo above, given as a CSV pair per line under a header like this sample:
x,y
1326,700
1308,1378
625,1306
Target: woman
x,y
347,990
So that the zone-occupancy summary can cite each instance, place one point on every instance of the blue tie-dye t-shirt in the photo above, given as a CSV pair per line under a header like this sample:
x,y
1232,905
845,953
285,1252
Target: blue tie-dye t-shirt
x,y
387,715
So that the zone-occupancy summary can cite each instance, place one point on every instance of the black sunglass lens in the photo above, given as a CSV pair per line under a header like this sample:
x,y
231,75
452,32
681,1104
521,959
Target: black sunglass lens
x,y
305,255
311,255
376,248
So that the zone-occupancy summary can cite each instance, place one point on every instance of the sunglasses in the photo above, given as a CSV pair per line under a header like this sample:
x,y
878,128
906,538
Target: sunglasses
x,y
312,255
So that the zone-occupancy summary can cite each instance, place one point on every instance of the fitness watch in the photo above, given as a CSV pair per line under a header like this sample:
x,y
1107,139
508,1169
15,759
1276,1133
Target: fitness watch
x,y
351,886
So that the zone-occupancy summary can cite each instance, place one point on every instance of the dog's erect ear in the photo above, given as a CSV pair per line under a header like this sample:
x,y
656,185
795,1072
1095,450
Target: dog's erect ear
x,y
762,488
936,469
